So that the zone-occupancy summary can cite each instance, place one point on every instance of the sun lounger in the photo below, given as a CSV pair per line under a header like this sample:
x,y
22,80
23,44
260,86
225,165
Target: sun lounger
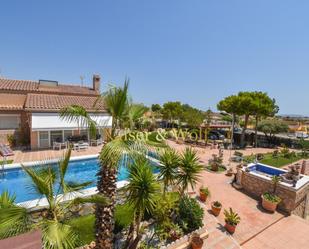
x,y
59,145
96,142
5,150
79,146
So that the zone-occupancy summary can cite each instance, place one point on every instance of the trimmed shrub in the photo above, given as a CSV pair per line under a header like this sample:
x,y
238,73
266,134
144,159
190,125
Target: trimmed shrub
x,y
190,214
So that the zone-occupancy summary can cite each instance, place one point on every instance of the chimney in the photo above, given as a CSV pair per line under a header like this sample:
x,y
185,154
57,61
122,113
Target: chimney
x,y
96,82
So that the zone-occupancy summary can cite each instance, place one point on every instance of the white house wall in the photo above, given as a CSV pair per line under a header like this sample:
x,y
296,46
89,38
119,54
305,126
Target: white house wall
x,y
52,121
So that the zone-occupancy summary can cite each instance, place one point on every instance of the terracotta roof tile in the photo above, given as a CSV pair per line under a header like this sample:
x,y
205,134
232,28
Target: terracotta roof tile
x,y
12,101
48,102
34,86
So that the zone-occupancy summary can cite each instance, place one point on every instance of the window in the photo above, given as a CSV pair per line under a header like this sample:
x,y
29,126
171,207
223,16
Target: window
x,y
56,136
84,133
43,139
9,121
66,134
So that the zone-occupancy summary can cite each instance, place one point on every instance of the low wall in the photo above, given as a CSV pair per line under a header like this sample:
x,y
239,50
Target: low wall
x,y
293,202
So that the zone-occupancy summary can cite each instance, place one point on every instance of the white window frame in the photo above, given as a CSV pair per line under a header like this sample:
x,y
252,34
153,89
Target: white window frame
x,y
39,142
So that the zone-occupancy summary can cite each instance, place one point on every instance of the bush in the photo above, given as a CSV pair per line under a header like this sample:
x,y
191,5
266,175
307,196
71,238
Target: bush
x,y
11,140
123,217
190,214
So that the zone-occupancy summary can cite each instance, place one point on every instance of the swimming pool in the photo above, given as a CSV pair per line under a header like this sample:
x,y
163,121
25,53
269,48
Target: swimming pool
x,y
266,170
17,181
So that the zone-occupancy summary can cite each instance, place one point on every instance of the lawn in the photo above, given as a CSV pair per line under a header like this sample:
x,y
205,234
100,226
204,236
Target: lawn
x,y
6,162
278,161
84,226
220,169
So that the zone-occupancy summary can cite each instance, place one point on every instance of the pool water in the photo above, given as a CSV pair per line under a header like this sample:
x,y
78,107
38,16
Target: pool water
x,y
17,181
258,168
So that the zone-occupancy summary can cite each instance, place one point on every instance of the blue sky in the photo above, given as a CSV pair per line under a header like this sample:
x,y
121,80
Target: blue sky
x,y
194,51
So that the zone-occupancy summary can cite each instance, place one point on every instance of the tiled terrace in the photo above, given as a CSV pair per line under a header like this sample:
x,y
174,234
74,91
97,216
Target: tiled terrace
x,y
257,227
39,155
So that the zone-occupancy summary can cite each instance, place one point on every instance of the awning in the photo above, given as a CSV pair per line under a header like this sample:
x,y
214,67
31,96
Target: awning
x,y
52,121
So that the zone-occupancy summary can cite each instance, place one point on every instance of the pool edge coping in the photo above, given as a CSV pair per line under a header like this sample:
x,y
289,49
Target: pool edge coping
x,y
43,162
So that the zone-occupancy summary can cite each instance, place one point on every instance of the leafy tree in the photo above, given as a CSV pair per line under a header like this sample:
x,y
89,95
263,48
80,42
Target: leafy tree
x,y
230,105
248,104
49,182
190,169
169,162
271,127
156,108
172,111
192,116
263,106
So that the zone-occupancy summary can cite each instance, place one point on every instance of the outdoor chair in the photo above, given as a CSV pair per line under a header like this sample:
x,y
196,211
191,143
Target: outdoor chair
x,y
60,145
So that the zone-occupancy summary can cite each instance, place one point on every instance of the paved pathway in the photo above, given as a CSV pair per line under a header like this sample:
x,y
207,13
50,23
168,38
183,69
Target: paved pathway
x,y
218,237
258,229
39,155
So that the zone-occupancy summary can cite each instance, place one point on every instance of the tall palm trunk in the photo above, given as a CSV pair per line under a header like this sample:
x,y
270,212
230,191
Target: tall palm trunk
x,y
104,214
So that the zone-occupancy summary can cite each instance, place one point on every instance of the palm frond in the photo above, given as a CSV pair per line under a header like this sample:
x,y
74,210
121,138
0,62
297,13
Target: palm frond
x,y
14,220
78,114
56,235
6,199
169,163
43,180
98,199
143,187
63,166
76,186
190,169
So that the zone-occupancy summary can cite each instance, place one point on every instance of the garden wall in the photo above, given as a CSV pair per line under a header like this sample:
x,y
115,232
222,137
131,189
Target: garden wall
x,y
293,202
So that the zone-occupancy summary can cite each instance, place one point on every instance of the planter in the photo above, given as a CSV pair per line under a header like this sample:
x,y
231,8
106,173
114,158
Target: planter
x,y
215,210
230,228
269,205
203,196
196,242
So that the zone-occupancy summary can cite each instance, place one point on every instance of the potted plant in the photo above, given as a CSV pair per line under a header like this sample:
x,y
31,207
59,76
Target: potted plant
x,y
231,220
196,241
204,193
270,201
216,208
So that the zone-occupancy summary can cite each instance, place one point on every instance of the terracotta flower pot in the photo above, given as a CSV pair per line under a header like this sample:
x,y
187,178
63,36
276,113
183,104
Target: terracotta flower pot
x,y
230,228
196,243
268,205
215,210
203,197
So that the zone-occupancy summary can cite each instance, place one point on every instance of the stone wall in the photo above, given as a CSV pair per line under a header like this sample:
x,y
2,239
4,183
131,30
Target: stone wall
x,y
293,202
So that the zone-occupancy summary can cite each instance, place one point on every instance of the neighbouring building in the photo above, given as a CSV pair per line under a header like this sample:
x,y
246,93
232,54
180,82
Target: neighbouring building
x,y
29,111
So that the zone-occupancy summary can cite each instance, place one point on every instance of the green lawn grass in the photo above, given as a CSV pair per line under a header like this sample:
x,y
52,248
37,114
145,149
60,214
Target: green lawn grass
x,y
221,169
278,162
84,226
6,162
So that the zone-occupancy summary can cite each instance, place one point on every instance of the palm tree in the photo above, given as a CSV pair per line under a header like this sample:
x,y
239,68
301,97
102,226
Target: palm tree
x,y
134,114
142,192
78,114
169,163
117,103
50,183
190,169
